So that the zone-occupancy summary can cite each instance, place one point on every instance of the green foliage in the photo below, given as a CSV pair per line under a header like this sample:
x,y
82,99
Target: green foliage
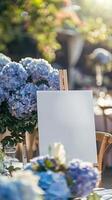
x,y
96,31
36,18
1,155
96,21
93,196
12,169
16,127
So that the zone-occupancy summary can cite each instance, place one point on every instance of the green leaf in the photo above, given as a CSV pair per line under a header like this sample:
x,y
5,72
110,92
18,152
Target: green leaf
x,y
93,196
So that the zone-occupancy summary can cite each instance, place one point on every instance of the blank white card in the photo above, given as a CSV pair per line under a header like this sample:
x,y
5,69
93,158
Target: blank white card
x,y
67,117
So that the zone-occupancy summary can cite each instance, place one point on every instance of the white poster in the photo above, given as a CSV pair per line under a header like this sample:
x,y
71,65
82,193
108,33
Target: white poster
x,y
67,117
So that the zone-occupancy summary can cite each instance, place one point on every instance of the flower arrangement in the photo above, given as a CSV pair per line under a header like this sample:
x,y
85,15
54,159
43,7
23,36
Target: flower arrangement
x,y
51,178
19,83
17,187
61,181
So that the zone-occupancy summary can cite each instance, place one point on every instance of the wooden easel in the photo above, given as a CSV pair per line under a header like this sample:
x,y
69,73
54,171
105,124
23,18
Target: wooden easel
x,y
102,137
30,138
63,79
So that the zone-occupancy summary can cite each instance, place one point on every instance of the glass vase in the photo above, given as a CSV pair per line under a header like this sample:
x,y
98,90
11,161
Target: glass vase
x,y
10,155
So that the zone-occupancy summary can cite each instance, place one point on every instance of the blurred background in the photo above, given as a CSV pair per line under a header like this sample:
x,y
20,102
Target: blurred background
x,y
65,32
71,34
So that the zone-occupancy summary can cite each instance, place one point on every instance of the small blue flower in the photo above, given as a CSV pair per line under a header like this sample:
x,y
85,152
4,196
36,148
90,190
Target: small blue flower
x,y
43,163
13,76
43,87
83,178
16,189
38,69
54,185
24,101
53,80
3,60
40,161
26,61
46,179
8,191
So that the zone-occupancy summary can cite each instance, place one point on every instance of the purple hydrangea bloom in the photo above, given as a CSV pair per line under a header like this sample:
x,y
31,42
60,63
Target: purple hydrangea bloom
x,y
83,178
38,69
24,101
13,76
26,61
55,185
53,80
3,60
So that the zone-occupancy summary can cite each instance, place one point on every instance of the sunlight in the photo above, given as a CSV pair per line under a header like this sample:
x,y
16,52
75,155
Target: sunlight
x,y
103,2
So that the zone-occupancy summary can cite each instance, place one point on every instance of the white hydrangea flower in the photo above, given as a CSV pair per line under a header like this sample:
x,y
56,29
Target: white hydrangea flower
x,y
59,153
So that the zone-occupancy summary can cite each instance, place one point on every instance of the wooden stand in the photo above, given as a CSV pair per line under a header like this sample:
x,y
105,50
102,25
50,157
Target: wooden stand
x,y
32,138
63,79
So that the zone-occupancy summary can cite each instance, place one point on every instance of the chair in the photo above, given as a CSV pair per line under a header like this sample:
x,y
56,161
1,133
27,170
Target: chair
x,y
102,140
105,140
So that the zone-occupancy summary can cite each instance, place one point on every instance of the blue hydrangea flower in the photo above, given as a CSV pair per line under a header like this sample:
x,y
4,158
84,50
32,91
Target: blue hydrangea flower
x,y
46,179
83,178
8,191
44,163
17,189
13,76
38,69
26,61
24,101
54,185
3,60
43,87
25,191
53,80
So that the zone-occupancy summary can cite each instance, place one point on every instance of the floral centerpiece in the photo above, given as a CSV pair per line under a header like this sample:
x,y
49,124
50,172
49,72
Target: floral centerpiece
x,y
19,83
18,187
61,181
